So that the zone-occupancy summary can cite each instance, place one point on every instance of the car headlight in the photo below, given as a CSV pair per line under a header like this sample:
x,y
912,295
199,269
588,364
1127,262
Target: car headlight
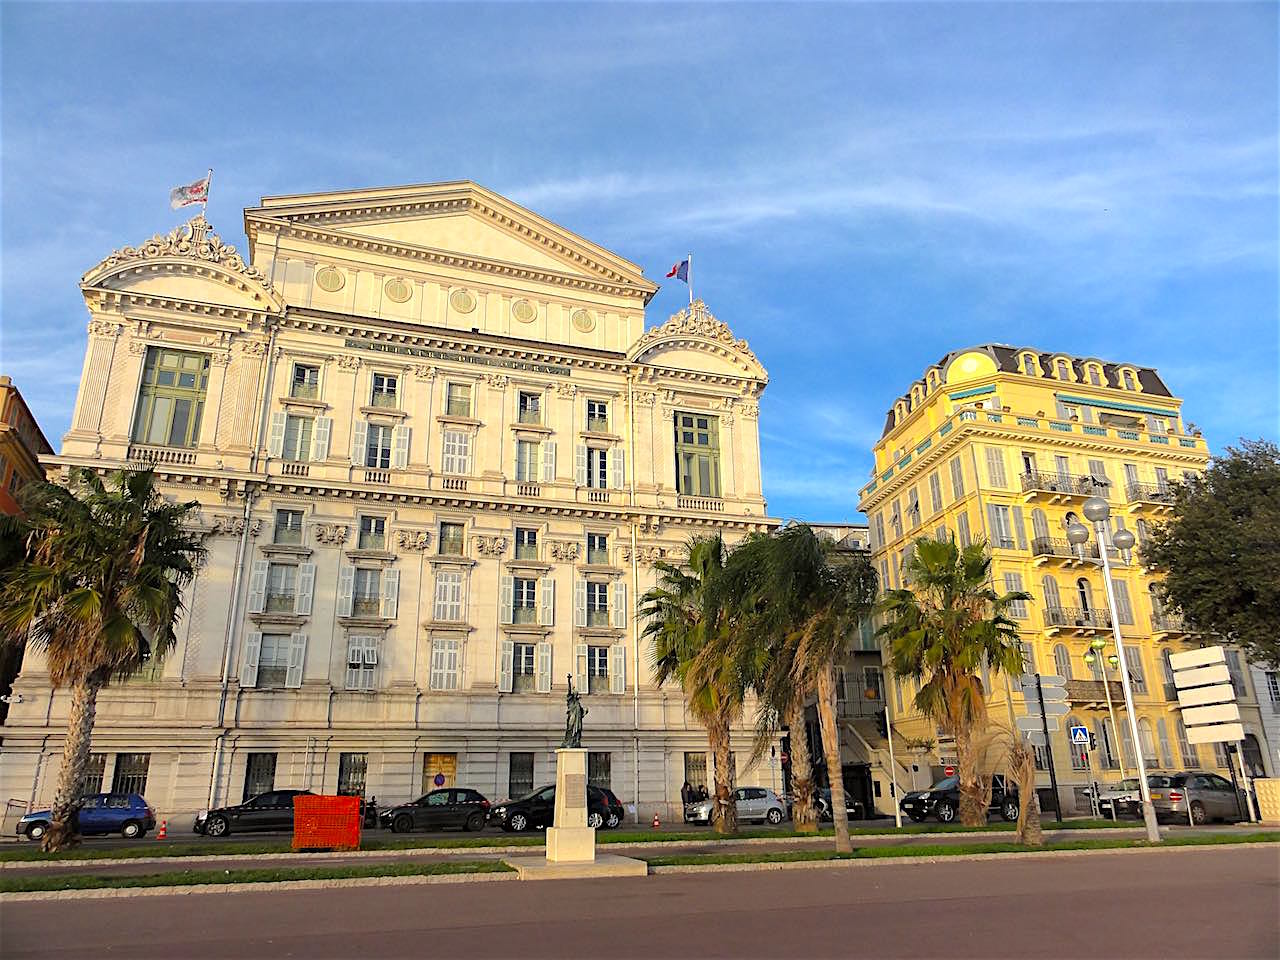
x,y
202,815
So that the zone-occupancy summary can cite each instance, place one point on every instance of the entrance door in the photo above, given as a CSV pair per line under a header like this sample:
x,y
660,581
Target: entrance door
x,y
439,770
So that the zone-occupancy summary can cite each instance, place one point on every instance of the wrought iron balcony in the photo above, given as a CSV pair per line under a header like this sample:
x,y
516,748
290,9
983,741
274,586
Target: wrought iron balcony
x,y
1149,493
1162,622
1064,484
1093,691
1056,547
1076,618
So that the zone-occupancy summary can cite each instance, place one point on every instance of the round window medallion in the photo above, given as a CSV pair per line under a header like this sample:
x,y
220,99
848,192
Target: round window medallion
x,y
583,320
397,290
330,280
524,311
462,300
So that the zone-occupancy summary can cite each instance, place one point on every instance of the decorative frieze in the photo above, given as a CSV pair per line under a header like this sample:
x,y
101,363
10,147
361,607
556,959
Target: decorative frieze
x,y
233,527
646,554
333,534
566,551
103,328
348,362
424,373
413,539
490,546
498,381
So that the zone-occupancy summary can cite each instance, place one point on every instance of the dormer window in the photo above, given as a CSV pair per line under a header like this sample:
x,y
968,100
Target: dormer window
x,y
1095,375
1127,375
1029,364
1063,370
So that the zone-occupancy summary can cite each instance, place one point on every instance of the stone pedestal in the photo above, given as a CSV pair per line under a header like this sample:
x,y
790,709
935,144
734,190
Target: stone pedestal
x,y
571,840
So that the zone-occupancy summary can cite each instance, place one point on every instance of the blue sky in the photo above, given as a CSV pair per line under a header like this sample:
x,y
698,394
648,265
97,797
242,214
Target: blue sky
x,y
864,187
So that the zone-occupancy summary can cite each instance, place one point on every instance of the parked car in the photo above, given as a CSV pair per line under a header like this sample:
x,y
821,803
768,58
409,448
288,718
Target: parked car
x,y
1124,796
753,803
127,814
942,800
447,808
1212,797
272,810
853,809
537,810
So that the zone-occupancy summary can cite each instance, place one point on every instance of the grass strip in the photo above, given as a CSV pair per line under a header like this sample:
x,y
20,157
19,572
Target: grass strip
x,y
184,878
232,848
955,849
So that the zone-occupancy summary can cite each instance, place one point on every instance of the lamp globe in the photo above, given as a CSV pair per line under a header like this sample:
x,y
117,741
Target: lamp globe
x,y
1096,509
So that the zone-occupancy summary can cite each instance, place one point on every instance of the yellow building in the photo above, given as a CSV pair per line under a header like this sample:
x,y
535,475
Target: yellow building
x,y
1004,445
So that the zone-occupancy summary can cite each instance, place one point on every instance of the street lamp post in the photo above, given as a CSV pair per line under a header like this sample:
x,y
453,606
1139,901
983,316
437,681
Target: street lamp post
x,y
1097,511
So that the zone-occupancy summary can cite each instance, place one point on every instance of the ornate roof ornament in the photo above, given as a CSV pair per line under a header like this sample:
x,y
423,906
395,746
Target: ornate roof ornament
x,y
193,240
698,322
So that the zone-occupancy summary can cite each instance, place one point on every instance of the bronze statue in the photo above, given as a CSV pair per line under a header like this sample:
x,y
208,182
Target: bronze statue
x,y
574,711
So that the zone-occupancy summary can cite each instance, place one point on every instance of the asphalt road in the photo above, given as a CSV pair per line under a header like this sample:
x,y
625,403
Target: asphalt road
x,y
1100,905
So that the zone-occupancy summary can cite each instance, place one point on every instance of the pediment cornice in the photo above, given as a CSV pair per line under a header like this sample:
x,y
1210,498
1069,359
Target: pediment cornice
x,y
696,328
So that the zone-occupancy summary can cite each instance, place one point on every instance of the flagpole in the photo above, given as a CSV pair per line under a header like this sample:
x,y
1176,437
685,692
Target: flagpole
x,y
690,284
208,184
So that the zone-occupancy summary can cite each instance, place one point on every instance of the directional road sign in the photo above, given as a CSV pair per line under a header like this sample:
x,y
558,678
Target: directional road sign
x,y
1206,696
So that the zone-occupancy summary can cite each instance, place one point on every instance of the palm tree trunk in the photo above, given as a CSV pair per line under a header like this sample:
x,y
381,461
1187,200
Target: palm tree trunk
x,y
75,759
831,747
803,814
973,808
725,813
1023,767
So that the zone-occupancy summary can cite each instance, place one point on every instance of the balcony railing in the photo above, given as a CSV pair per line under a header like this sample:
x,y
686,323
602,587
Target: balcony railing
x,y
700,503
1076,617
280,603
1055,547
533,417
1167,623
387,400
166,456
290,468
597,425
304,391
528,490
377,476
598,556
366,606
1093,691
1064,483
453,483
1149,493
458,408
597,496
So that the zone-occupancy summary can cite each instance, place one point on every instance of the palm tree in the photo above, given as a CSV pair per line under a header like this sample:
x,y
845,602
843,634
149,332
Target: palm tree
x,y
98,591
941,632
689,628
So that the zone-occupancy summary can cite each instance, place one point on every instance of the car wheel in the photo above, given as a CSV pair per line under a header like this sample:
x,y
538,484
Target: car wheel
x,y
613,820
594,820
36,831
945,811
403,823
1198,815
474,822
518,822
774,816
130,829
1009,811
217,827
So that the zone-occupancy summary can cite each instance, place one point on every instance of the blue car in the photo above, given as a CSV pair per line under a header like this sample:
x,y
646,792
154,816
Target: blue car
x,y
124,813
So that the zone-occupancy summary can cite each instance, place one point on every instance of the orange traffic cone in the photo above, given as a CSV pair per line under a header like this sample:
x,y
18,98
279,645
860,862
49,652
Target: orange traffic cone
x,y
163,832
656,822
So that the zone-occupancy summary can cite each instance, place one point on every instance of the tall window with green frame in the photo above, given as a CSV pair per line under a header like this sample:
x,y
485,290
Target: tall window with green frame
x,y
697,455
171,401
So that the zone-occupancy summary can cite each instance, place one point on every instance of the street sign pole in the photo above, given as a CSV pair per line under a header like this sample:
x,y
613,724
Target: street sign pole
x,y
1048,749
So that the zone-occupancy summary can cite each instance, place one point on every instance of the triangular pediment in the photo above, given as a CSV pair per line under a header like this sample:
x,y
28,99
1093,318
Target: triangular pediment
x,y
460,219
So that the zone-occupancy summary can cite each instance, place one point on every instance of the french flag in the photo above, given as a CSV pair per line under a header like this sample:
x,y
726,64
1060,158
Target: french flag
x,y
680,271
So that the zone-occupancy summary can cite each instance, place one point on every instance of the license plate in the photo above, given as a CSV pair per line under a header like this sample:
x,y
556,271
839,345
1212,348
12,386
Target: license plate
x,y
1157,796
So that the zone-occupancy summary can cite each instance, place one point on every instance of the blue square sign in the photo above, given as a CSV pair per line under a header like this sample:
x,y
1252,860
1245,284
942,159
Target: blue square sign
x,y
1080,735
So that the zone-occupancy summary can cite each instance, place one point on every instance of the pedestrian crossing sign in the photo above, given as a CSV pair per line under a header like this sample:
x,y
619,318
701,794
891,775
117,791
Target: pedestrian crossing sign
x,y
1080,735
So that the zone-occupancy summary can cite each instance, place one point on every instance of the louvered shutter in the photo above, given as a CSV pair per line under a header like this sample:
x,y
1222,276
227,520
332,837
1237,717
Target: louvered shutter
x,y
543,678
506,598
581,668
320,438
400,447
547,608
275,440
619,603
505,671
580,465
306,589
617,668
1124,610
995,466
1019,529
258,586
297,660
346,587
359,442
390,593
249,663
580,603
548,461
617,468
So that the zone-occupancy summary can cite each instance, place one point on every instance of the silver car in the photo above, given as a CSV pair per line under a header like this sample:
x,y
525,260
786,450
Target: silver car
x,y
1211,797
753,803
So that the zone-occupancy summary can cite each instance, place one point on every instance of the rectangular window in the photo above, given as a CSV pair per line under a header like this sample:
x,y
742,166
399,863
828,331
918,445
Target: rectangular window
x,y
1028,463
1273,689
448,600
373,533
528,459
880,541
297,439
895,519
597,416
171,400
288,527
530,407
259,774
352,770
695,769
598,769
458,400
995,466
522,668
362,663
597,604
520,775
957,478
1013,584
130,775
597,468
1124,609
935,491
457,452
524,600
1001,526
445,662
962,528
1137,673
273,661
94,773
1162,479
913,507
306,382
378,447
1236,670
282,587
384,391
452,539
526,544
367,594
597,548
697,455
597,669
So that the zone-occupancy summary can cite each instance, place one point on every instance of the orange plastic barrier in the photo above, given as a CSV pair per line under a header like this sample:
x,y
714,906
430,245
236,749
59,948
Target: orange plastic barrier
x,y
326,823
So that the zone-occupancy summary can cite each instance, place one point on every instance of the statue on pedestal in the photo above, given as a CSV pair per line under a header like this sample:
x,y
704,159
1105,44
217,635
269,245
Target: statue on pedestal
x,y
574,711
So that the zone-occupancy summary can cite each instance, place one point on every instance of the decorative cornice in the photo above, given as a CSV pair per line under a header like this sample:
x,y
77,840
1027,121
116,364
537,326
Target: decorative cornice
x,y
696,322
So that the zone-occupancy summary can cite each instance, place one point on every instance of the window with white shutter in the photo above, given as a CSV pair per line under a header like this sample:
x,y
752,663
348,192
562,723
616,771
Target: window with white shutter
x,y
962,530
547,602
400,447
362,662
544,668
1013,584
619,604
957,478
935,491
582,667
617,468
445,657
320,438
580,603
359,442
618,668
1019,529
580,465
249,662
995,466
457,452
306,589
258,586
390,593
275,439
346,589
506,665
548,461
448,597
297,660
506,598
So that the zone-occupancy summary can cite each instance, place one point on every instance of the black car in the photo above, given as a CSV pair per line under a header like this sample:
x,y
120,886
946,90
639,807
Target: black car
x,y
448,808
272,810
537,810
853,809
942,800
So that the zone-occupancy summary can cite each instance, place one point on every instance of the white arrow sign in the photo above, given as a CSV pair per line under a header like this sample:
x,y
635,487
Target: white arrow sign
x,y
1202,676
1218,713
1197,658
1201,696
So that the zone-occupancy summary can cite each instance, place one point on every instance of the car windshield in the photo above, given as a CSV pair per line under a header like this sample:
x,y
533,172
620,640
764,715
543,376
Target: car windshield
x,y
946,783
1130,784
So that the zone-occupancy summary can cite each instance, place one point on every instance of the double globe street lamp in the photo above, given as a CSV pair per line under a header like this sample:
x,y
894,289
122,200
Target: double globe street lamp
x,y
1098,511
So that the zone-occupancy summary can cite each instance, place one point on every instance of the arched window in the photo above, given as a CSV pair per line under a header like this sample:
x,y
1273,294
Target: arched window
x,y
1166,752
1148,738
1095,375
1062,370
1253,764
1128,379
1062,661
1084,594
1052,601
1167,666
1126,744
1190,756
